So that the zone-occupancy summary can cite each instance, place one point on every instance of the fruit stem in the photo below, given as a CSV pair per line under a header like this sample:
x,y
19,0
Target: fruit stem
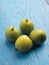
x,y
26,20
12,28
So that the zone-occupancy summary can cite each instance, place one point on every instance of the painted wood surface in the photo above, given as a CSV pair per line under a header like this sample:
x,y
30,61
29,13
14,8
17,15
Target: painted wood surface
x,y
11,13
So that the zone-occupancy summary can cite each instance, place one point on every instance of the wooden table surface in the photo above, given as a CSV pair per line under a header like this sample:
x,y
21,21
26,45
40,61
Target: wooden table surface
x,y
11,13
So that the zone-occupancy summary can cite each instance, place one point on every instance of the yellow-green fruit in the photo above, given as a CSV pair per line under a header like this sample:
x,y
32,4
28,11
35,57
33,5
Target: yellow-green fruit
x,y
12,34
26,26
38,36
23,43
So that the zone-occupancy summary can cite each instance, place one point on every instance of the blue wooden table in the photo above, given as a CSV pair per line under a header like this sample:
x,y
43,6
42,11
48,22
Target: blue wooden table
x,y
11,13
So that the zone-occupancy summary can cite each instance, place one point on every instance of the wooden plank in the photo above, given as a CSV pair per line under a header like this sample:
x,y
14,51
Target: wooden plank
x,y
11,13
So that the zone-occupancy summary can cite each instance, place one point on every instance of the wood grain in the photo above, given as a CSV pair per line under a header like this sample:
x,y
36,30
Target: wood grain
x,y
11,13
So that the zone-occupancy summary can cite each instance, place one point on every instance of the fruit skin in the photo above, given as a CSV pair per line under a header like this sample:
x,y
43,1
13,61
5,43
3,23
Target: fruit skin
x,y
23,43
26,26
38,36
12,34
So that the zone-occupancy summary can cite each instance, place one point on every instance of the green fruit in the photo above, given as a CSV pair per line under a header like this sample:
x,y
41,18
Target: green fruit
x,y
23,43
38,36
26,26
12,34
